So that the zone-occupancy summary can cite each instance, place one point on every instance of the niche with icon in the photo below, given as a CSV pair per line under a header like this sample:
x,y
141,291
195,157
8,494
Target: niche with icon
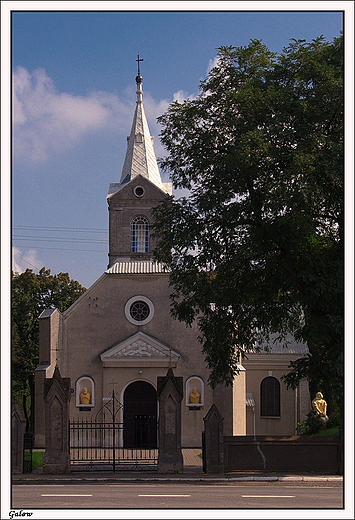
x,y
85,393
194,393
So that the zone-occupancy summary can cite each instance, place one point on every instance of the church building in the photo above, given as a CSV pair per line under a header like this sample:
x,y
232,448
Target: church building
x,y
119,335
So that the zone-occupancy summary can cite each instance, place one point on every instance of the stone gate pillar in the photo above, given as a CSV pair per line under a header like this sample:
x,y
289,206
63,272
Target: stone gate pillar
x,y
213,441
169,394
56,396
18,423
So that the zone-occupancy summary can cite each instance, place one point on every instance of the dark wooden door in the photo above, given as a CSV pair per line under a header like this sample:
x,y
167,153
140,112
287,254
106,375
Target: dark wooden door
x,y
140,416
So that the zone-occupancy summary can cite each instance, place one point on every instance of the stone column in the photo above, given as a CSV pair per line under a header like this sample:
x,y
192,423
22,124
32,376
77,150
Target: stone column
x,y
169,394
213,441
18,423
56,396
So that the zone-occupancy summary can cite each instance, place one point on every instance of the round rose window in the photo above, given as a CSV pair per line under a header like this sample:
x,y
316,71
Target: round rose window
x,y
139,311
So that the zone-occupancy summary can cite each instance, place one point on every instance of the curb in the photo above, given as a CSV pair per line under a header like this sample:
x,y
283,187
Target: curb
x,y
251,478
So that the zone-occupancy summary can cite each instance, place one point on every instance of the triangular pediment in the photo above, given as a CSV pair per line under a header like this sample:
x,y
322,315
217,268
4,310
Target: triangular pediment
x,y
140,350
117,191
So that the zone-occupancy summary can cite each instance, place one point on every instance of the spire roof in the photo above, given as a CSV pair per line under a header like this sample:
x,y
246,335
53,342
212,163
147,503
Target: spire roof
x,y
140,156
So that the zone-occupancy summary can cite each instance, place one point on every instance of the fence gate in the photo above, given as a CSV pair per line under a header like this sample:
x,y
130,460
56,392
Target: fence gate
x,y
97,443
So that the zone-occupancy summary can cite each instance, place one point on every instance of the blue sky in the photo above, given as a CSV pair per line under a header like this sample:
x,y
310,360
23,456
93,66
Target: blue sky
x,y
74,96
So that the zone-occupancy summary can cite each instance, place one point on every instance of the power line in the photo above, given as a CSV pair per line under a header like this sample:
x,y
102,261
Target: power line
x,y
23,257
57,228
37,239
72,249
59,239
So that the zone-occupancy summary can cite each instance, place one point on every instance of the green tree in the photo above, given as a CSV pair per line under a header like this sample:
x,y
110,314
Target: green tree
x,y
256,249
31,294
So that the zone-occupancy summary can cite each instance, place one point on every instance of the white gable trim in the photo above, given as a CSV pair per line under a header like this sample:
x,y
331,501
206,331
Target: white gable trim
x,y
140,350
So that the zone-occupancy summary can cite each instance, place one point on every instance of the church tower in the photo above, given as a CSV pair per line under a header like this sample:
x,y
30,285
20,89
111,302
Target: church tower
x,y
140,188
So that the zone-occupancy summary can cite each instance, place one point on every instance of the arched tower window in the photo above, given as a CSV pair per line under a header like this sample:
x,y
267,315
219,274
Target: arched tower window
x,y
140,235
270,397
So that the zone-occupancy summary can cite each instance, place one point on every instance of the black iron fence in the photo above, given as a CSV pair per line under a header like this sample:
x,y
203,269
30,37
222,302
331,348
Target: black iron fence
x,y
100,443
96,445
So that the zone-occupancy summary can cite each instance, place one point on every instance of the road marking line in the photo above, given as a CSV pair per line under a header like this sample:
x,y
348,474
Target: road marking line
x,y
66,495
268,496
164,495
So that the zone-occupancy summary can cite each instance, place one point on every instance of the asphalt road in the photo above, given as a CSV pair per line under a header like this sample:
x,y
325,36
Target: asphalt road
x,y
175,496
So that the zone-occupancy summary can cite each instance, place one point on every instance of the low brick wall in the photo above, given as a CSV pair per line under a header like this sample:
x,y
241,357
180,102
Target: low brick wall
x,y
315,454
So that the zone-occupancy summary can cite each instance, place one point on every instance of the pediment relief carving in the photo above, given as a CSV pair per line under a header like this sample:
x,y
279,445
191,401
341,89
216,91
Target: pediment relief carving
x,y
140,350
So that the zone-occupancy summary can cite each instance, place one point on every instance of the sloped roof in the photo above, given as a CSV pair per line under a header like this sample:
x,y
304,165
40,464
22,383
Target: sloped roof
x,y
290,346
138,267
46,313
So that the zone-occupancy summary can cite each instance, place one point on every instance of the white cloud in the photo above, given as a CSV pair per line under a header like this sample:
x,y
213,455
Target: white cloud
x,y
25,260
212,63
46,121
180,96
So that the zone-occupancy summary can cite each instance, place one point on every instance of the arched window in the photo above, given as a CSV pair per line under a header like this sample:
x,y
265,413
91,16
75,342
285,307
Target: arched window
x,y
270,397
140,235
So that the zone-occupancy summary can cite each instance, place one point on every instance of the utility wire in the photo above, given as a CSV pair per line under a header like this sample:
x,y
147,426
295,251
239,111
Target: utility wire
x,y
23,258
59,239
72,249
20,238
71,229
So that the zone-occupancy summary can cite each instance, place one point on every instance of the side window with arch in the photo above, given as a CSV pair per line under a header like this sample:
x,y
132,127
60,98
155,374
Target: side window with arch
x,y
85,393
140,235
270,397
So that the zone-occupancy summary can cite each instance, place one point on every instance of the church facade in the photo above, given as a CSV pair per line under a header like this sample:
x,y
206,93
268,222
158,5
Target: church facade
x,y
119,335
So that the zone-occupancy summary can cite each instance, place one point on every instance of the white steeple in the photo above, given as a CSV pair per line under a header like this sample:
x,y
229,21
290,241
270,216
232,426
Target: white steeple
x,y
140,156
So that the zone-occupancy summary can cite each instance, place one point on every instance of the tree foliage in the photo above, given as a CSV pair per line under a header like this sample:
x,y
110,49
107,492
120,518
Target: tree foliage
x,y
256,249
31,294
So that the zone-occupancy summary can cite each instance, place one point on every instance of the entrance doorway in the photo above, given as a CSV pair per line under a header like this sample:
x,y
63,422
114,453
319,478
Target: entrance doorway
x,y
140,416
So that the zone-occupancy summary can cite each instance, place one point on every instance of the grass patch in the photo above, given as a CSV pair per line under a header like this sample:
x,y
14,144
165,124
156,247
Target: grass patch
x,y
37,459
329,431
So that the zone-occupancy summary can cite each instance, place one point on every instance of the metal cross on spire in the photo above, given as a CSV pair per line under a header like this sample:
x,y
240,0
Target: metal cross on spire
x,y
139,59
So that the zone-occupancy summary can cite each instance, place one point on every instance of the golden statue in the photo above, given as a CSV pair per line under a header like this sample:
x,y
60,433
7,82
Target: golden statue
x,y
85,396
194,396
319,406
